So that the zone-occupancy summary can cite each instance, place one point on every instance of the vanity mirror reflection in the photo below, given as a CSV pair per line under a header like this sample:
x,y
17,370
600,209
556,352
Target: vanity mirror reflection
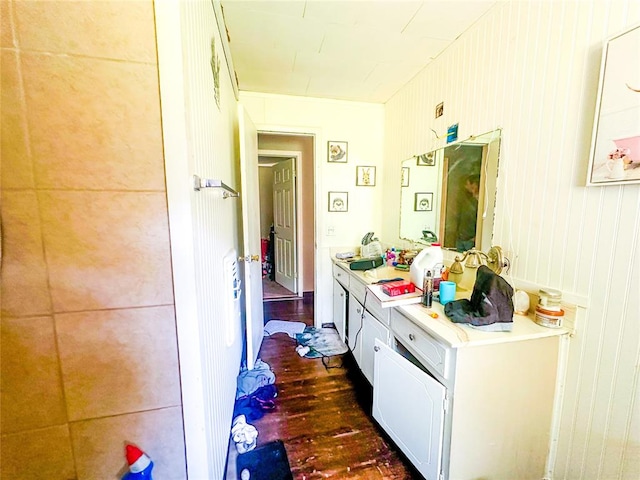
x,y
448,194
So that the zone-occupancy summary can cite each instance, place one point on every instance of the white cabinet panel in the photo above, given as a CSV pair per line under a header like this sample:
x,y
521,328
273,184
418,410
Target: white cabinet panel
x,y
354,320
339,308
409,405
372,332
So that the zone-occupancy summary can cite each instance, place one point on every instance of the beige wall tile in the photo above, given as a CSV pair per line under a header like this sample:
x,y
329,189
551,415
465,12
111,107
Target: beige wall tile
x,y
24,287
17,171
6,33
117,30
118,361
106,249
31,385
38,454
93,124
11,97
99,444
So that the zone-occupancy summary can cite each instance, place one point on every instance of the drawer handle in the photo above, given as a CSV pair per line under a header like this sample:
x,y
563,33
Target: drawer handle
x,y
376,348
412,337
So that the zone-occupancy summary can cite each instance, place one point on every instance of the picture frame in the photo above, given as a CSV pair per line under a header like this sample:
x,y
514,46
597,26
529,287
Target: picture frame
x,y
426,159
338,201
365,176
614,157
404,176
337,152
423,202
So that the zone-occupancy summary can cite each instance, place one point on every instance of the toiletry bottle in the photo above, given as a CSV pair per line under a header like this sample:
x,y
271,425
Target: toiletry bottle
x,y
391,256
427,289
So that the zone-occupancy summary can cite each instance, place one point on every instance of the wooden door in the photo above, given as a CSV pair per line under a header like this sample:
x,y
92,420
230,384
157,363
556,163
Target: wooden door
x,y
254,320
284,220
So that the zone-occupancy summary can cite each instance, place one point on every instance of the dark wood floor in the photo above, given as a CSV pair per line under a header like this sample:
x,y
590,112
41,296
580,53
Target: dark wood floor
x,y
322,415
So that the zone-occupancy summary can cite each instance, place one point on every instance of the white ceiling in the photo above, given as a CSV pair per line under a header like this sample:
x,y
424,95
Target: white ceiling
x,y
350,50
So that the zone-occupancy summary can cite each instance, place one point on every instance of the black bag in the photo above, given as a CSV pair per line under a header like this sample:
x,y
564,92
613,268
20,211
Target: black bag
x,y
490,307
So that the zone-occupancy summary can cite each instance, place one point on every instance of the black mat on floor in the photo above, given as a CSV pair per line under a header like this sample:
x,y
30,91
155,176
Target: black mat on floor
x,y
267,462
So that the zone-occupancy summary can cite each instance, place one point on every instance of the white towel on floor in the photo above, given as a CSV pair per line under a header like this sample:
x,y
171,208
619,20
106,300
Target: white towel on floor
x,y
283,326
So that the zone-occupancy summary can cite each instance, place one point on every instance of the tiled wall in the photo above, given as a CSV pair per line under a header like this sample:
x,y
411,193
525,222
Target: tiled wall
x,y
89,356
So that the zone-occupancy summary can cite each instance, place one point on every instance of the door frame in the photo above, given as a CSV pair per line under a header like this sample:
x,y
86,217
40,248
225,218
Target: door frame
x,y
317,134
285,154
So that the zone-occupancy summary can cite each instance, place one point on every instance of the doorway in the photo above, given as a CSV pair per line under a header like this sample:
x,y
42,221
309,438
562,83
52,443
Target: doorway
x,y
287,218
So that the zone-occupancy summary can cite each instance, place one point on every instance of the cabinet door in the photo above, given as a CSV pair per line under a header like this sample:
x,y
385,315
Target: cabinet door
x,y
354,333
339,308
409,405
372,330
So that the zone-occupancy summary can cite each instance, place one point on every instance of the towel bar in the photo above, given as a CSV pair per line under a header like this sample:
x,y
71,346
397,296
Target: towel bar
x,y
200,183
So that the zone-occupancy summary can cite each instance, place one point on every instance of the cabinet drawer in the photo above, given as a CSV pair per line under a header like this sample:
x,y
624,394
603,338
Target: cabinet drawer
x,y
374,306
341,275
357,289
423,345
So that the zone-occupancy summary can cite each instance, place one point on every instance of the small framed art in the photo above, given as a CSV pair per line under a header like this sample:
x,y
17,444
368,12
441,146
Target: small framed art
x,y
404,177
338,201
337,152
423,202
426,159
365,176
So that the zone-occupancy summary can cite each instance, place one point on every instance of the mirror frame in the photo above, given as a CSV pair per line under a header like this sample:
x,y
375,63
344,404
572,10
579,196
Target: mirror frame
x,y
413,222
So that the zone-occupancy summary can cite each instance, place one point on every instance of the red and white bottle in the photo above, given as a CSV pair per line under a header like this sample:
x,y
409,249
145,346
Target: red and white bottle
x,y
140,465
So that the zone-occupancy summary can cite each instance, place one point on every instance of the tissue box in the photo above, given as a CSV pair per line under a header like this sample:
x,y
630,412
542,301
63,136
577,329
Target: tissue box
x,y
399,287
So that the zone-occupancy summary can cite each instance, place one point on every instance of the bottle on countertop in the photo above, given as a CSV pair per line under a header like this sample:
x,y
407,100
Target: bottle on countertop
x,y
391,257
427,289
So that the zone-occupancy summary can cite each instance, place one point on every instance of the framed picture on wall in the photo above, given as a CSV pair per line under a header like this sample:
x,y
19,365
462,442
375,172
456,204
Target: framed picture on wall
x,y
404,177
365,176
426,159
423,202
337,152
338,201
615,143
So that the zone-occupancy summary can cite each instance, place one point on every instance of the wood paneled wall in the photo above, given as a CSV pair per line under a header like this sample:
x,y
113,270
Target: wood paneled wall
x,y
200,138
532,68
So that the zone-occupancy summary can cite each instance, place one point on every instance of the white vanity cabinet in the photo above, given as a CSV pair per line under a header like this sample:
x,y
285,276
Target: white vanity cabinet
x,y
364,330
469,404
460,403
366,319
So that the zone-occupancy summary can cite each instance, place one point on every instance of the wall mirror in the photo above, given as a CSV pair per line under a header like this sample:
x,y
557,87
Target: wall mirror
x,y
448,194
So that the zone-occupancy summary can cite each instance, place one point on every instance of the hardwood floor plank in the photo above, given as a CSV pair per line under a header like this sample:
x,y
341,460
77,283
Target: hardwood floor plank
x,y
322,415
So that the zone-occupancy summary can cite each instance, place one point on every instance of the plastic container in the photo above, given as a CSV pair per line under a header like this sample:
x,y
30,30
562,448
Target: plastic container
x,y
427,259
549,318
521,302
549,299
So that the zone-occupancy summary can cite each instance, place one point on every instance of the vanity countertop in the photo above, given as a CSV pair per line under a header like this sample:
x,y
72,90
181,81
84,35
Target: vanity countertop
x,y
459,335
373,275
455,335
